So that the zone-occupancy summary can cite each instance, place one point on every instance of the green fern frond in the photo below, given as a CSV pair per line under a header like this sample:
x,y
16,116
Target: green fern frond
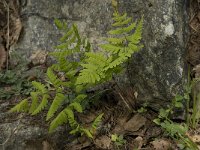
x,y
59,24
64,116
59,98
87,76
97,121
42,105
65,46
76,106
77,33
34,104
53,78
115,40
23,106
133,48
118,17
86,132
71,73
79,88
39,86
137,36
123,22
67,35
92,69
59,120
82,130
113,49
71,119
117,62
64,64
75,130
97,59
80,98
123,30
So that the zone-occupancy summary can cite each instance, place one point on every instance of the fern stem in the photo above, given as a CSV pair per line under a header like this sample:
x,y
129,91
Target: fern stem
x,y
188,100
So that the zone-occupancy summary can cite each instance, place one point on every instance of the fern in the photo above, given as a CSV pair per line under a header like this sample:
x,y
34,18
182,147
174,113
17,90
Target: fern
x,y
39,86
64,116
53,78
59,120
42,105
21,107
97,121
35,103
76,106
81,69
92,71
97,67
59,98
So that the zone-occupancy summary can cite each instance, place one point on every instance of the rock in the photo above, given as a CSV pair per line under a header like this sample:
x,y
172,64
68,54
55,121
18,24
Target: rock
x,y
156,72
22,136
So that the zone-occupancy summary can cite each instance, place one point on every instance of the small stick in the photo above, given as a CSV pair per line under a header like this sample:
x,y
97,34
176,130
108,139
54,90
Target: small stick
x,y
8,32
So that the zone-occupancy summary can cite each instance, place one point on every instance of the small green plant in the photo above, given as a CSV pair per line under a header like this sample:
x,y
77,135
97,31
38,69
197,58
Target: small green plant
x,y
175,130
14,82
118,140
78,68
143,109
195,94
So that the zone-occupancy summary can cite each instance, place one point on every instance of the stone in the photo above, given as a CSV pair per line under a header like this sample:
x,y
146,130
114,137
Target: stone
x,y
157,72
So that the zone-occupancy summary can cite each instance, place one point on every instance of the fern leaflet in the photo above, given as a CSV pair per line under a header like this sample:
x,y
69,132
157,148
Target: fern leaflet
x,y
34,104
21,107
39,86
59,98
97,121
42,105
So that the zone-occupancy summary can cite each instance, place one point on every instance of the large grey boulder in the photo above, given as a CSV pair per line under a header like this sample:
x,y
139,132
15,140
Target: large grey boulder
x,y
156,72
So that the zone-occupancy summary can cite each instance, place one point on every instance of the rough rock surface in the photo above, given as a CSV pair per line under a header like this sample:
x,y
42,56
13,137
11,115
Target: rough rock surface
x,y
20,132
157,72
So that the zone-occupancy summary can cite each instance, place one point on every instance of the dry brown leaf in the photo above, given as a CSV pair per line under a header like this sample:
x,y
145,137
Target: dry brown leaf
x,y
15,30
161,144
195,138
135,123
83,143
46,146
88,118
103,142
38,57
130,126
138,142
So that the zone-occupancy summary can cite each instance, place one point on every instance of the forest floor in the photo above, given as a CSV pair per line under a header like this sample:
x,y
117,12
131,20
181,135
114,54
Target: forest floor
x,y
135,131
